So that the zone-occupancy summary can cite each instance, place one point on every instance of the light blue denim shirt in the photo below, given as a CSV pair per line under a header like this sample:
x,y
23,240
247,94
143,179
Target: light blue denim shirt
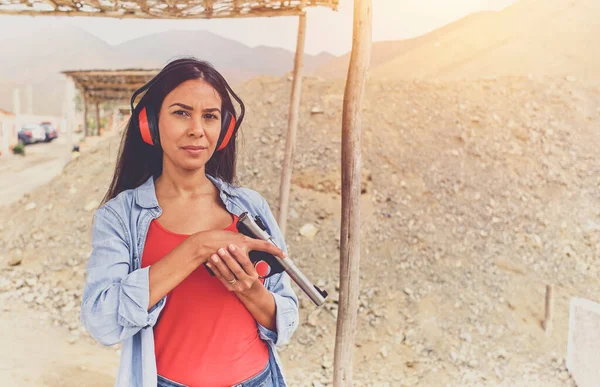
x,y
116,294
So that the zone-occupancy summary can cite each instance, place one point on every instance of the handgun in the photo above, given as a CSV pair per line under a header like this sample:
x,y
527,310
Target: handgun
x,y
256,229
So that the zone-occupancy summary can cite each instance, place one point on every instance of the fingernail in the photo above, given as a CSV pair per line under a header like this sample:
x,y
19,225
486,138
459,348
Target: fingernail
x,y
209,265
221,251
232,247
215,259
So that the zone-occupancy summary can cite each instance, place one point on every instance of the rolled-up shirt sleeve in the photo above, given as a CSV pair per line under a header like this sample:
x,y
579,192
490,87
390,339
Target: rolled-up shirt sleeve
x,y
286,301
115,300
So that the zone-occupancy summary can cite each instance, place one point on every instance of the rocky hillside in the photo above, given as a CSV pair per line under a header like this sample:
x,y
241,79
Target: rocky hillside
x,y
475,196
537,37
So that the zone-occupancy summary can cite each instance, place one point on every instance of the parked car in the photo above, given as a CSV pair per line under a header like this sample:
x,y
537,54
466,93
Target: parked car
x,y
31,133
51,132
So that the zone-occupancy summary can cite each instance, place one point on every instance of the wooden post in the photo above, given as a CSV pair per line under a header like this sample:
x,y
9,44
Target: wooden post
x,y
85,128
97,132
290,140
115,119
549,309
70,110
351,164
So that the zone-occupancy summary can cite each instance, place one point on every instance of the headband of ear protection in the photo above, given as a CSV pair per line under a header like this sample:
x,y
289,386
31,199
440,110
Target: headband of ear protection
x,y
147,115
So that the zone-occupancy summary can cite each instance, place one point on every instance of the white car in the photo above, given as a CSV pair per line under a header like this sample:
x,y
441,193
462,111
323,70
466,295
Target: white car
x,y
31,133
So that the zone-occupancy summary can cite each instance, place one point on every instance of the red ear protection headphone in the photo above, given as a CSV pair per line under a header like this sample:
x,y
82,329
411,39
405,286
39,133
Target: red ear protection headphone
x,y
147,115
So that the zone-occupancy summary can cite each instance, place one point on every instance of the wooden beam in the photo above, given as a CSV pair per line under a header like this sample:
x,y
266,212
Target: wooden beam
x,y
90,85
117,73
351,165
144,8
110,90
102,99
52,4
139,15
209,7
290,140
163,9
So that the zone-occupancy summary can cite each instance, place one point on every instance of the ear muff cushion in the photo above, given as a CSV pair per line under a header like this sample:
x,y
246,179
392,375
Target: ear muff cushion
x,y
229,131
144,127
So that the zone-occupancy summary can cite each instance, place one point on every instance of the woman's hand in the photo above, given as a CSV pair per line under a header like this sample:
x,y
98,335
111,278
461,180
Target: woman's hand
x,y
207,243
233,268
226,254
197,249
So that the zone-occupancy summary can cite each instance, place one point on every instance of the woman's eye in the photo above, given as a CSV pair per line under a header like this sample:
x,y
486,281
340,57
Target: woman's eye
x,y
211,116
181,113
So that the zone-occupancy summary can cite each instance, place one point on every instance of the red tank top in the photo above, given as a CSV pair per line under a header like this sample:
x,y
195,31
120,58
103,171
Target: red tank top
x,y
205,336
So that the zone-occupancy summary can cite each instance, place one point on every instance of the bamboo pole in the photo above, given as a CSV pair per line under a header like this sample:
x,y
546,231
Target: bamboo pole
x,y
290,140
351,164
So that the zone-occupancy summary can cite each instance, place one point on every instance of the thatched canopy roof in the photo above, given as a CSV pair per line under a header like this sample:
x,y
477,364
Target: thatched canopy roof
x,y
162,9
110,85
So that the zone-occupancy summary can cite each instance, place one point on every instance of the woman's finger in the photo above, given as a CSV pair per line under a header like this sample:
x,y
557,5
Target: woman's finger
x,y
219,276
218,262
268,247
242,259
232,264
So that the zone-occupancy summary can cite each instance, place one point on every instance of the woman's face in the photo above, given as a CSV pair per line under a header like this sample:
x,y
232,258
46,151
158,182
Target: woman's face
x,y
189,124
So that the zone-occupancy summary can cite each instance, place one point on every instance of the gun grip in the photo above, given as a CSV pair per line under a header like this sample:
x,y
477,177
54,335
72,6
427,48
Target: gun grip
x,y
257,255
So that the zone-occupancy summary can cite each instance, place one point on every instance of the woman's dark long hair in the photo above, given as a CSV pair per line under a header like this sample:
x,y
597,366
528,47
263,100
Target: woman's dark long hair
x,y
137,160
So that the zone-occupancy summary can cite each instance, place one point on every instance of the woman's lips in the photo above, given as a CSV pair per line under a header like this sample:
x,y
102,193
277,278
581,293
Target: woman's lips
x,y
194,150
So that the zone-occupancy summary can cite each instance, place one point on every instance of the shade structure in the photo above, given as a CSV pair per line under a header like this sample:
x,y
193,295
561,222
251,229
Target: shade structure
x,y
162,9
99,86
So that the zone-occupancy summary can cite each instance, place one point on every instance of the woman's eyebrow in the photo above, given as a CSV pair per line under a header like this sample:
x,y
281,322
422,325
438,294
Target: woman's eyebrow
x,y
182,105
210,110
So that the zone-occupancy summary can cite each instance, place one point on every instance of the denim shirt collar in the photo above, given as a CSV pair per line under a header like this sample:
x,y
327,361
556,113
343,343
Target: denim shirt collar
x,y
145,194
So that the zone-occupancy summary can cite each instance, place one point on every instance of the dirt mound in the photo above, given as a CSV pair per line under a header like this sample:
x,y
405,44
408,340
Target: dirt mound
x,y
476,195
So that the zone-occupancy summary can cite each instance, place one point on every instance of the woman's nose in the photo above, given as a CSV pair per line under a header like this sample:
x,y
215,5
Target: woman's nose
x,y
197,129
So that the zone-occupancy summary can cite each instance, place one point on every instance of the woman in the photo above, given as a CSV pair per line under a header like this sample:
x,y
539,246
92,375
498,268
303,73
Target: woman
x,y
167,221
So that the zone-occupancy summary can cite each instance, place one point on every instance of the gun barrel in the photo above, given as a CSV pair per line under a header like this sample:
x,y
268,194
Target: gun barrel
x,y
314,293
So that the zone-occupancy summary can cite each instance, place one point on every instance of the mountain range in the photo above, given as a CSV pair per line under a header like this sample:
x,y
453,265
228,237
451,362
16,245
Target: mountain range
x,y
528,38
38,59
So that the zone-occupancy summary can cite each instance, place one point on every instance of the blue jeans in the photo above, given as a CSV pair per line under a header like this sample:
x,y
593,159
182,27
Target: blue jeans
x,y
263,379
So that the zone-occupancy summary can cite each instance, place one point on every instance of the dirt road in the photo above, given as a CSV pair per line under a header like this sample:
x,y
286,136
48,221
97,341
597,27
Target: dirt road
x,y
42,162
33,352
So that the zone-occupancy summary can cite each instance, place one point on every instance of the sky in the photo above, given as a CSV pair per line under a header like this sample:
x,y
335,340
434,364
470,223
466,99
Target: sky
x,y
326,30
